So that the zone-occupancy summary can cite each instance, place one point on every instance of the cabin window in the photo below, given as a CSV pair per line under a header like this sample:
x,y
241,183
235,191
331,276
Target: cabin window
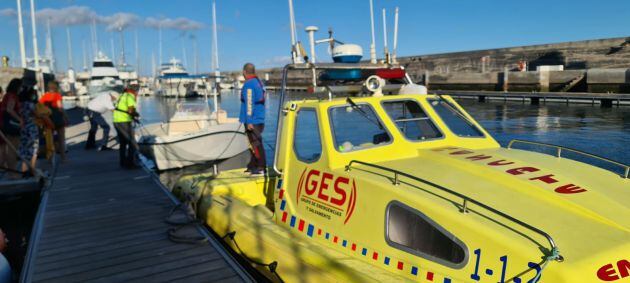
x,y
103,64
455,120
307,143
411,120
411,231
357,127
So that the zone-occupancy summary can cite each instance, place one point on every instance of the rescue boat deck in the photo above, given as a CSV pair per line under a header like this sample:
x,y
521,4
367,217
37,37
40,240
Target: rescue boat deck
x,y
99,222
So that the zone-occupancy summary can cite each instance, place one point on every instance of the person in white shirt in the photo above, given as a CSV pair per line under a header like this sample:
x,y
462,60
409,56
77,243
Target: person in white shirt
x,y
96,108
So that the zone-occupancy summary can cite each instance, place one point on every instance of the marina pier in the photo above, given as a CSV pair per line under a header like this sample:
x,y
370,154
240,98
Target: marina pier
x,y
98,222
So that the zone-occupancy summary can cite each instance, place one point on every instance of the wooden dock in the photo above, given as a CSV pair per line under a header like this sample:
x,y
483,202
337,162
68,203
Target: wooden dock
x,y
99,222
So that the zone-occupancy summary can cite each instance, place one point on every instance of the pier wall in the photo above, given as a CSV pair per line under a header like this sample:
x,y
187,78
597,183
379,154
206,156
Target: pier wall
x,y
600,65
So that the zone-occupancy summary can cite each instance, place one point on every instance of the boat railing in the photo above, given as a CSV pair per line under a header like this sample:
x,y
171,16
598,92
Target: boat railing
x,y
559,150
554,251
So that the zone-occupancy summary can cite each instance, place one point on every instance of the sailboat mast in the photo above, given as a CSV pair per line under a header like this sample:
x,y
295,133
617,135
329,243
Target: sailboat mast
x,y
122,46
49,47
85,64
215,45
160,43
113,49
215,60
34,29
69,42
195,55
137,52
95,48
21,33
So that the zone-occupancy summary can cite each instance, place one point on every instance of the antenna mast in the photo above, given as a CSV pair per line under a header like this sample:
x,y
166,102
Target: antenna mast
x,y
295,49
395,37
373,44
385,36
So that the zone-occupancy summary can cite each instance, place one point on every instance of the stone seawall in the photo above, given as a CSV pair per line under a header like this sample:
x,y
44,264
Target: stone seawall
x,y
599,65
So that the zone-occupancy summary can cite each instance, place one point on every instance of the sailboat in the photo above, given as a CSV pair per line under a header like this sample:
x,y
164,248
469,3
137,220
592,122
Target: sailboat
x,y
194,134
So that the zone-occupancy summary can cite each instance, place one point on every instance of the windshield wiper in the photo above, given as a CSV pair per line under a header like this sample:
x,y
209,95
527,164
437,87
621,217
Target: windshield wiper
x,y
363,113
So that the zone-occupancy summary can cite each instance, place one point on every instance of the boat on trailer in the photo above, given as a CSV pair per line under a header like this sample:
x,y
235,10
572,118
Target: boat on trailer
x,y
373,182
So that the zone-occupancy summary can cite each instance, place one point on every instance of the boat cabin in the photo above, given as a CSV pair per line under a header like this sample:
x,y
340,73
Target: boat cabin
x,y
377,186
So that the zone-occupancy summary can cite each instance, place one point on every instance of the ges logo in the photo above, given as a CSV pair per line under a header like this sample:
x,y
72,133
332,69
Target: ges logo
x,y
333,195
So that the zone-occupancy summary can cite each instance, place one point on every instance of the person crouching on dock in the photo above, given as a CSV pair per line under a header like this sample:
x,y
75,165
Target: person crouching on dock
x,y
252,115
124,115
96,108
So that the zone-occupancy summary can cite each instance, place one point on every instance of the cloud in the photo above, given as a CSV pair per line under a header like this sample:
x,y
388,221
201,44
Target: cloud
x,y
8,12
72,15
120,21
83,15
277,60
182,24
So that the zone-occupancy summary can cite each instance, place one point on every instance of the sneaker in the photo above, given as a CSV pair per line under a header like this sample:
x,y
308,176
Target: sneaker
x,y
104,148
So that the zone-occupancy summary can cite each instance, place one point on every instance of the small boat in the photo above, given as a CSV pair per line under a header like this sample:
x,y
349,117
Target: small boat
x,y
375,181
191,136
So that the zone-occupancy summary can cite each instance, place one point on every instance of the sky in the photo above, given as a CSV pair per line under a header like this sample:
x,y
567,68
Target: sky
x,y
257,31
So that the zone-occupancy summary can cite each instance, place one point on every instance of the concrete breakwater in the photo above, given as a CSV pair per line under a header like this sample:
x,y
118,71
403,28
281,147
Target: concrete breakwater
x,y
600,65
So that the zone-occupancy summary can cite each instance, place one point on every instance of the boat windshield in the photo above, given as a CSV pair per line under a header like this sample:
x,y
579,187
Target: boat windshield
x,y
188,111
455,121
411,120
357,127
103,64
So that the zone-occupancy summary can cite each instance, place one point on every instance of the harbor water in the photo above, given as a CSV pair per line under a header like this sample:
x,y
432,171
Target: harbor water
x,y
593,129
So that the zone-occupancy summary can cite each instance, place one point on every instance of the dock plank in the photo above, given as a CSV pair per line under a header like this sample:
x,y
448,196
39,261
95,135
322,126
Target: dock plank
x,y
98,222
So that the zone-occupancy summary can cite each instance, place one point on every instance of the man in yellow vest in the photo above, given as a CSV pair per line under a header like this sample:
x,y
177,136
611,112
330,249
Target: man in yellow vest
x,y
124,115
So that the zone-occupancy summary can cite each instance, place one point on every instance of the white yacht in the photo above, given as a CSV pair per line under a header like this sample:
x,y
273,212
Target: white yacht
x,y
103,76
127,74
174,80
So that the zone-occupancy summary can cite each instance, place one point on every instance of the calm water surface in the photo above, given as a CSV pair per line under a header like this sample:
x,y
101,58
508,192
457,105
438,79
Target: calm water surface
x,y
602,131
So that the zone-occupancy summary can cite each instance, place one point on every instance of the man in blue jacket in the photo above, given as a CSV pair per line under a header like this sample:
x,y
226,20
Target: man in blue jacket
x,y
253,117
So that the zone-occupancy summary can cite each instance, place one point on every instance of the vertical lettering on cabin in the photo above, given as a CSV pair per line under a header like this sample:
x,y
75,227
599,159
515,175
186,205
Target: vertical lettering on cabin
x,y
324,186
311,185
339,191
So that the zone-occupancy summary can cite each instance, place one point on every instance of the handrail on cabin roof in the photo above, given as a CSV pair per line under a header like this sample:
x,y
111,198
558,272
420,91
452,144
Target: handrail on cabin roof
x,y
560,148
554,251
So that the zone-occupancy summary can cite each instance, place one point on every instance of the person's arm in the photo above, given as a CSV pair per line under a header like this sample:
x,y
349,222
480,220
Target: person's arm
x,y
11,110
59,102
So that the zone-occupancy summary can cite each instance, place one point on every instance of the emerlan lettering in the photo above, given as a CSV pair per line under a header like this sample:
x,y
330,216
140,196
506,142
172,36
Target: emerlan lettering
x,y
526,171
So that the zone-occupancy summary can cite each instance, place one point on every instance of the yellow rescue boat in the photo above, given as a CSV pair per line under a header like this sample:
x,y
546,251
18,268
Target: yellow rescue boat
x,y
408,187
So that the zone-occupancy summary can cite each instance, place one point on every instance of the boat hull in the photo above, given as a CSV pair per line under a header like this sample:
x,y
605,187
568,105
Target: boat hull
x,y
218,142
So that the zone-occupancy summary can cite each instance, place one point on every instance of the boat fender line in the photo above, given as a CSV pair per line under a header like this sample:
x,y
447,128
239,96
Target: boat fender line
x,y
273,266
174,237
188,219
